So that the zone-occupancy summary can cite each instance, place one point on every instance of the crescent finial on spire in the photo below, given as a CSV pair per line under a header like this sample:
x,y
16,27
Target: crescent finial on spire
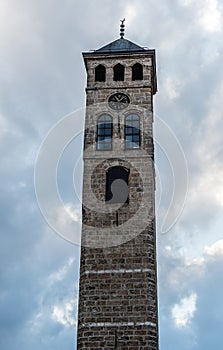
x,y
122,28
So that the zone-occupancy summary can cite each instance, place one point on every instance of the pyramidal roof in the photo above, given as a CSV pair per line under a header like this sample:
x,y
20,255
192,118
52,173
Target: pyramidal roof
x,y
120,45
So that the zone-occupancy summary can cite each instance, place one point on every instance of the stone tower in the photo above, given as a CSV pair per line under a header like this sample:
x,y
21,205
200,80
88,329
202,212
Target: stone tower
x,y
118,279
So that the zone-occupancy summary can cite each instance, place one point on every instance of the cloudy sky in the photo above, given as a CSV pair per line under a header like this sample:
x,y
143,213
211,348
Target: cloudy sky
x,y
42,80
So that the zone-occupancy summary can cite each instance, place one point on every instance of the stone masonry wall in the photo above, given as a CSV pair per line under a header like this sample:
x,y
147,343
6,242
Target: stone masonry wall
x,y
118,278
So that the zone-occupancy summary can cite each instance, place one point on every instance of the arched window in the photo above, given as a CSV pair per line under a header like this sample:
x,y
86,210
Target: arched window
x,y
100,73
137,72
132,131
119,72
104,132
117,190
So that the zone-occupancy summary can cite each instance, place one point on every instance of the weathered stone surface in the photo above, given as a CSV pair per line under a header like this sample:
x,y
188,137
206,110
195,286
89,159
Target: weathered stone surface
x,y
118,278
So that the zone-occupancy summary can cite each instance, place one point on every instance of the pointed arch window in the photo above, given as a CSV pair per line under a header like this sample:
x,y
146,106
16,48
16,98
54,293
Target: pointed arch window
x,y
104,132
137,72
119,72
132,131
100,73
117,190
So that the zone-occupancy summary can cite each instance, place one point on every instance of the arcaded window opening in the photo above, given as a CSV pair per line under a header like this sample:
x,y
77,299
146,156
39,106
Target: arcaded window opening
x,y
137,72
100,73
119,72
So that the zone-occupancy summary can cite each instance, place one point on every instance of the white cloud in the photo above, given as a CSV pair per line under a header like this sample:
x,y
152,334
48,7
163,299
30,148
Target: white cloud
x,y
7,128
172,87
195,262
68,213
186,2
210,16
214,249
183,312
207,184
64,313
130,12
61,274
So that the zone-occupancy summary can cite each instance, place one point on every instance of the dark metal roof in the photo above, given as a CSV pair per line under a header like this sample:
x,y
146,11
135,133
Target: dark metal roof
x,y
120,45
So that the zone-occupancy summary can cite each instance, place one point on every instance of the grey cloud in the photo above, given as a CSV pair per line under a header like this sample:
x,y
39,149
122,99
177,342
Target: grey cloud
x,y
178,279
42,79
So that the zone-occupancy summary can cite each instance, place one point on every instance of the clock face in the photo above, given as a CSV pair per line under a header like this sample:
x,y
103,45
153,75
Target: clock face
x,y
118,101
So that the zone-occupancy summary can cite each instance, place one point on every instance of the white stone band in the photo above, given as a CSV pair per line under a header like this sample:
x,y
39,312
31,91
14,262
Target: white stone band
x,y
115,324
100,272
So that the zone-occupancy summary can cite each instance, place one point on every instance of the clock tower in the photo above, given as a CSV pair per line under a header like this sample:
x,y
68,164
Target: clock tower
x,y
118,277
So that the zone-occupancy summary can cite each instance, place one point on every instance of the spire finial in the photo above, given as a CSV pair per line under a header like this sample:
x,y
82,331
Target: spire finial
x,y
122,28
